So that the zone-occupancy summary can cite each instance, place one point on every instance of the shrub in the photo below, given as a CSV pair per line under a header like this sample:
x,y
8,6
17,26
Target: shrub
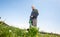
x,y
33,31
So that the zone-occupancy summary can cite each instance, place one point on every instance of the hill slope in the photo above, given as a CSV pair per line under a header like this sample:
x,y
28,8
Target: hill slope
x,y
9,31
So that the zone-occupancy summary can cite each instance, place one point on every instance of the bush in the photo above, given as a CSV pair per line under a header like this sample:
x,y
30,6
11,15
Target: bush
x,y
33,31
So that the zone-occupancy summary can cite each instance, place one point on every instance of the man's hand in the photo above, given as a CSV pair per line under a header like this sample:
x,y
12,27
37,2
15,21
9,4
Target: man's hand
x,y
31,16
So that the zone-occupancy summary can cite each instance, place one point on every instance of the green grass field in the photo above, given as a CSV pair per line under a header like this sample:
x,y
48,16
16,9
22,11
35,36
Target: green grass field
x,y
9,31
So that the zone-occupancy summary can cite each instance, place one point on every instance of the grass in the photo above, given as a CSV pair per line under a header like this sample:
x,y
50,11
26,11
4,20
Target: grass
x,y
9,31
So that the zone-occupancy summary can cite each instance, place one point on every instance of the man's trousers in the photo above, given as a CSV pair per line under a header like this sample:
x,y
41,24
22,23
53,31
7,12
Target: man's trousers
x,y
34,22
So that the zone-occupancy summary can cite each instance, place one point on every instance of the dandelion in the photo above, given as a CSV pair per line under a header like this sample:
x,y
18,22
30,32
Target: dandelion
x,y
10,30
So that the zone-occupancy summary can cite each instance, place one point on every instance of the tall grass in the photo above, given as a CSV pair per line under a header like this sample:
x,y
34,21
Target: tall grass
x,y
9,31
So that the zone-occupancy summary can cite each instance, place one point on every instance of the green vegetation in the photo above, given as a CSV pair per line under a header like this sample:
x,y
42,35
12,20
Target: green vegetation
x,y
9,31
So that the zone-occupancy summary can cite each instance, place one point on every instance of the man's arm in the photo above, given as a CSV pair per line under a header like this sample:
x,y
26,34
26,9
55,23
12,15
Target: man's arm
x,y
35,13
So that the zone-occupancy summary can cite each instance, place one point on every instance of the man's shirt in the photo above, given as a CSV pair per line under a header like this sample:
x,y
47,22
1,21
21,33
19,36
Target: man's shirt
x,y
34,13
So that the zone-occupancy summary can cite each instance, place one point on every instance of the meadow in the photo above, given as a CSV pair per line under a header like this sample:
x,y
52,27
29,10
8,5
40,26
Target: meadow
x,y
10,31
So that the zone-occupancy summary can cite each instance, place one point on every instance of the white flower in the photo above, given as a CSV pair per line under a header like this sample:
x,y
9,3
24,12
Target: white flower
x,y
10,30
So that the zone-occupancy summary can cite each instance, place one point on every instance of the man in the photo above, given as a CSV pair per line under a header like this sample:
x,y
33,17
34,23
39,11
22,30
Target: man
x,y
33,16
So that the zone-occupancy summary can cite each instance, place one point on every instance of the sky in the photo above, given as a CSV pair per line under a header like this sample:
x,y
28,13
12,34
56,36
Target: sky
x,y
17,12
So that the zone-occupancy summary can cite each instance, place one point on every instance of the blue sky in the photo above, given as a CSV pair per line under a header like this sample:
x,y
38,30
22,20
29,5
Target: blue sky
x,y
16,13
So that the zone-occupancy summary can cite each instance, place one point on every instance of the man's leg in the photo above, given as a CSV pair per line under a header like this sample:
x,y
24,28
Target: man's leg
x,y
34,22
